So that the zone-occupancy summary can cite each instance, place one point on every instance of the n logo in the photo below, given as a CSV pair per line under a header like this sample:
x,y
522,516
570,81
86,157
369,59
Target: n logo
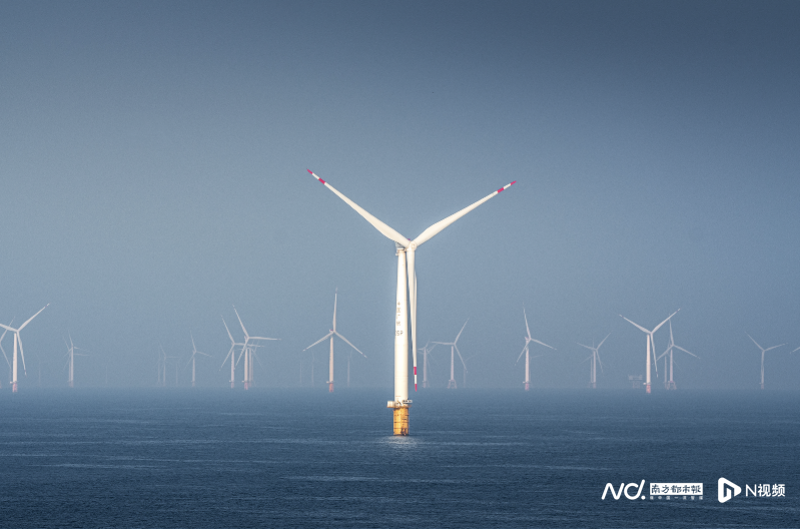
x,y
724,489
617,493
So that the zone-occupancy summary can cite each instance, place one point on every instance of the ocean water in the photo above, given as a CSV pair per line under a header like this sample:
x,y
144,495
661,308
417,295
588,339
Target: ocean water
x,y
302,458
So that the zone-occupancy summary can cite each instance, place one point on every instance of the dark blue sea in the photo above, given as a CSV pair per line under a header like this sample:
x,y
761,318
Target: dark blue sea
x,y
302,458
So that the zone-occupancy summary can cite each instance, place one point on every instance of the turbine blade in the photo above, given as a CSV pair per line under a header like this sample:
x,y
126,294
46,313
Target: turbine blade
x,y
6,356
246,336
29,319
603,340
348,343
599,361
542,343
527,329
665,321
634,324
21,352
335,301
460,357
318,341
386,231
521,353
228,330
586,346
685,351
412,294
774,347
442,224
459,332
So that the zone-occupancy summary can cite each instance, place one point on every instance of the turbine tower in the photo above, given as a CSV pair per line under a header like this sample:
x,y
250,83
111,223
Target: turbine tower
x,y
71,359
762,356
195,352
670,384
526,351
595,360
406,291
451,384
330,335
18,343
650,342
250,343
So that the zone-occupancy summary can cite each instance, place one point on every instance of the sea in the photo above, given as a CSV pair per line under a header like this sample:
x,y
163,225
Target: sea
x,y
303,458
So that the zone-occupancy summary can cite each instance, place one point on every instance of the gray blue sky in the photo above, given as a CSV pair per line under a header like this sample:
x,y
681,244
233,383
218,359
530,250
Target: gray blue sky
x,y
154,157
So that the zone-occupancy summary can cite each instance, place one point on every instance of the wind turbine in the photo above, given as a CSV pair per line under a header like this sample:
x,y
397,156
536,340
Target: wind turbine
x,y
4,351
18,343
670,384
71,360
451,384
406,289
231,355
250,343
525,350
193,359
425,350
330,335
762,356
650,342
595,360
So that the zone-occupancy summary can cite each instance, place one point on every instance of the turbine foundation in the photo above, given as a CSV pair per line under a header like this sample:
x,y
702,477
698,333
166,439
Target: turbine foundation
x,y
648,388
330,387
527,386
247,385
400,416
671,385
14,387
451,384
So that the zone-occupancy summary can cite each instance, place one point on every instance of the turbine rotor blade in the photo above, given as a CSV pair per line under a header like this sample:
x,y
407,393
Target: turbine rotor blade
x,y
459,332
685,351
442,224
319,341
665,321
348,343
521,353
383,228
29,319
542,343
603,340
528,329
634,324
774,347
412,294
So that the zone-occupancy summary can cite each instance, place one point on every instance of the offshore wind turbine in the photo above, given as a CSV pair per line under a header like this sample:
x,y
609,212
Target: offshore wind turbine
x,y
230,354
526,351
406,290
595,360
4,351
250,343
18,343
670,384
193,359
762,356
71,359
451,384
425,351
650,342
331,335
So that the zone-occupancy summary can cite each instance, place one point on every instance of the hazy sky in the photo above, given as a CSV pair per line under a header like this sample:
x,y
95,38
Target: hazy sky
x,y
154,156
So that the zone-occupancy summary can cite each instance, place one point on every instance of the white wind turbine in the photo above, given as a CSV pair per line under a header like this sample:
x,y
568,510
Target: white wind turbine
x,y
670,384
193,359
4,351
425,351
231,355
526,352
451,384
71,359
595,358
406,288
762,356
248,350
333,332
651,346
18,343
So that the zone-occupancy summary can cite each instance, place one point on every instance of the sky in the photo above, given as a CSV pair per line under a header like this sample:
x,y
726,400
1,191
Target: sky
x,y
154,155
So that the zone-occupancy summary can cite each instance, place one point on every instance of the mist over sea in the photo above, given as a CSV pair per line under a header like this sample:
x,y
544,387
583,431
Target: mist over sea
x,y
302,458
